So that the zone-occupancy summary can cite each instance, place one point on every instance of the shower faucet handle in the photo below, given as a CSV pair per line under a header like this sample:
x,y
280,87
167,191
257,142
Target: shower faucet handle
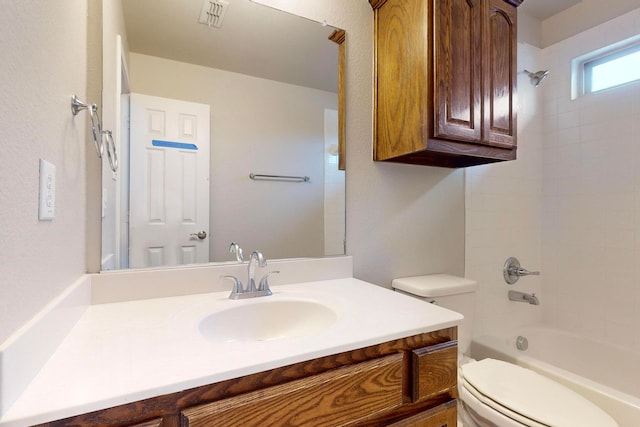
x,y
512,271
524,272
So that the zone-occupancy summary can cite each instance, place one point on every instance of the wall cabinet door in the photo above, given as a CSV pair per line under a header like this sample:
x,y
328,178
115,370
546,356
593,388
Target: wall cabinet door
x,y
500,74
457,69
445,81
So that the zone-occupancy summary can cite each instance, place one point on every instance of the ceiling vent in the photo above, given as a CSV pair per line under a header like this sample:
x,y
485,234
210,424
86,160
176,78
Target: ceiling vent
x,y
213,12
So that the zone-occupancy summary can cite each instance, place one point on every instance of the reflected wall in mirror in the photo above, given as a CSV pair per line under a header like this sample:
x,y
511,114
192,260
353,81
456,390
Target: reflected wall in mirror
x,y
270,80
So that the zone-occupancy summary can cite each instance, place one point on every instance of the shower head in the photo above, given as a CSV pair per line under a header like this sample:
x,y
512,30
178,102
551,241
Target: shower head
x,y
537,77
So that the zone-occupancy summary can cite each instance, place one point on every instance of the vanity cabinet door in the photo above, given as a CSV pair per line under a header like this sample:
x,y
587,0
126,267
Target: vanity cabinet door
x,y
339,397
434,370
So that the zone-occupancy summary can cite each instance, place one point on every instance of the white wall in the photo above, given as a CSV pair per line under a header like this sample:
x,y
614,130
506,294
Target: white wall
x,y
591,207
503,209
44,62
402,220
257,126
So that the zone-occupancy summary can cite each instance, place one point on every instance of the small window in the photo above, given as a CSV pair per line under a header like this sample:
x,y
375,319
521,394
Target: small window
x,y
613,69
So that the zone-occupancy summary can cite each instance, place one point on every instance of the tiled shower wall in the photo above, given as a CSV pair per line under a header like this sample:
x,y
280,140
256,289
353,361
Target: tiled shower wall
x,y
569,206
591,196
503,211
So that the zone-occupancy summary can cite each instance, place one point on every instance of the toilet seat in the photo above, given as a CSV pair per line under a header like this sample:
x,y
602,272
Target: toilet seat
x,y
526,397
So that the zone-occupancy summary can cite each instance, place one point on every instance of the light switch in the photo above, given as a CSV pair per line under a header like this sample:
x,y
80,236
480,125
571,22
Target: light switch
x,y
47,209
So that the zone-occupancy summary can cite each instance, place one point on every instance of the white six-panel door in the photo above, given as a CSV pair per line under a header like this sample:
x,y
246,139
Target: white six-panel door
x,y
169,182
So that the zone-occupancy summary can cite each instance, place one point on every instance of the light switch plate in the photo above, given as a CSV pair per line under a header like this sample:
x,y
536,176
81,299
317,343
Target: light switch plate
x,y
47,210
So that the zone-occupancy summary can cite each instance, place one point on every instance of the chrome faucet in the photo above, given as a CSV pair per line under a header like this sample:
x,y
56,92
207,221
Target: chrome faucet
x,y
251,270
235,248
524,297
239,292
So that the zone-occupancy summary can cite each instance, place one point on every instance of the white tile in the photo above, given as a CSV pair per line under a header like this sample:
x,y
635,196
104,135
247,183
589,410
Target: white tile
x,y
569,119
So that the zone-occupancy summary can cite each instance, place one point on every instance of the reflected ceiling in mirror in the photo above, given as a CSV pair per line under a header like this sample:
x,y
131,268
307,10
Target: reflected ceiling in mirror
x,y
271,81
253,39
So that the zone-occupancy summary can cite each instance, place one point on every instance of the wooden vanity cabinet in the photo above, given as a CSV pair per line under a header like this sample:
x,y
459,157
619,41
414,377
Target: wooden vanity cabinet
x,y
336,397
405,382
445,81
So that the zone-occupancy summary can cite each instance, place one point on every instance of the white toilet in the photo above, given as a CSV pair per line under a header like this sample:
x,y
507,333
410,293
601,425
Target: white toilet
x,y
494,392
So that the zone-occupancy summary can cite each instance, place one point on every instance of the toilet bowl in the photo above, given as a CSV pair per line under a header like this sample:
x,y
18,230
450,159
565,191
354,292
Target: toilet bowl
x,y
508,395
494,392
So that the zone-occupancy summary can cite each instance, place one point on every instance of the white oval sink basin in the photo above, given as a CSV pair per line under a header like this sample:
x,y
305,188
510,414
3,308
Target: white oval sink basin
x,y
268,320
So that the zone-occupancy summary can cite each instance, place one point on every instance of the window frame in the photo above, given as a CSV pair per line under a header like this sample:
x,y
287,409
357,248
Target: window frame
x,y
608,56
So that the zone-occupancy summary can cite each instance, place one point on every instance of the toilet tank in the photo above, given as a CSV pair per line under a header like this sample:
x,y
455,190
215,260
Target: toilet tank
x,y
451,292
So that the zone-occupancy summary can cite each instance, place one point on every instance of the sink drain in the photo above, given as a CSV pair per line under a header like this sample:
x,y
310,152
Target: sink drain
x,y
522,343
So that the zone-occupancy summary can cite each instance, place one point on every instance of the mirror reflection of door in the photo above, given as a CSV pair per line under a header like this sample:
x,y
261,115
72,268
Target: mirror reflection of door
x,y
268,77
169,182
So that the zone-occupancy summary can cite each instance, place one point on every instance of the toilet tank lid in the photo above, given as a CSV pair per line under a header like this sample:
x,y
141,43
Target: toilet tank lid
x,y
434,285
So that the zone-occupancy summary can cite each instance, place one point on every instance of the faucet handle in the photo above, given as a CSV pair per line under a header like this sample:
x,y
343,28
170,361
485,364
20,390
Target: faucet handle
x,y
264,282
237,287
512,271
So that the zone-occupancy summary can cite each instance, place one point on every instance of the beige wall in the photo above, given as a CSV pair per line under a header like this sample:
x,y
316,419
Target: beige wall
x,y
401,219
582,16
259,126
44,62
529,29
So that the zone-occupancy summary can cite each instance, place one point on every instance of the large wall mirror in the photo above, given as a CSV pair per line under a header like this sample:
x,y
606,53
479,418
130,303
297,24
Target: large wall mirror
x,y
199,108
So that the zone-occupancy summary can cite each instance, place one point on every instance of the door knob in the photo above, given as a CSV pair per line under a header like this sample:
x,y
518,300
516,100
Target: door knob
x,y
200,235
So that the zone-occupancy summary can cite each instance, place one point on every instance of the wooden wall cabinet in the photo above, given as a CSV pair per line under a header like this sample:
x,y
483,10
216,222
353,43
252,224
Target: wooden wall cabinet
x,y
445,81
408,382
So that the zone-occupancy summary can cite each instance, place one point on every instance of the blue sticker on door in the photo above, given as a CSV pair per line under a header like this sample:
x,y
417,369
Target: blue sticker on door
x,y
171,144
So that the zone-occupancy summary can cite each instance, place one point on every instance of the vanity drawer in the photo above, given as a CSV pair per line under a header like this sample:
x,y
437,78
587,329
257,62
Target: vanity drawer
x,y
445,415
338,397
434,370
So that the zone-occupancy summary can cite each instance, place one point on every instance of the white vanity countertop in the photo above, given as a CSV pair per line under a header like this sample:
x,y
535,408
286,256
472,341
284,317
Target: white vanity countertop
x,y
127,351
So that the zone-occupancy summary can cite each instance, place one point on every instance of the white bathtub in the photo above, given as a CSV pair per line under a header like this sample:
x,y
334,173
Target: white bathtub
x,y
608,376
